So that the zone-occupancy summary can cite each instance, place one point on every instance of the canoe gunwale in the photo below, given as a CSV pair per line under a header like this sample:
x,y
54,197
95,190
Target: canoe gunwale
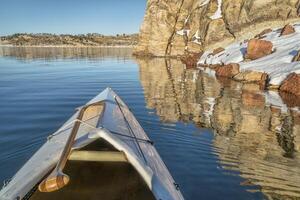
x,y
68,126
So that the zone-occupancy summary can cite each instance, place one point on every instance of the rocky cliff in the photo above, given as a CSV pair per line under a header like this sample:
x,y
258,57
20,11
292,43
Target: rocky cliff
x,y
173,27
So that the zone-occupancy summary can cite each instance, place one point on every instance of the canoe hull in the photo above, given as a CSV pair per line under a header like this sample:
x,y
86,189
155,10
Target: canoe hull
x,y
117,126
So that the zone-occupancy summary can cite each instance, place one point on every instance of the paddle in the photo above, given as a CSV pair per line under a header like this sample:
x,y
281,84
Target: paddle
x,y
57,179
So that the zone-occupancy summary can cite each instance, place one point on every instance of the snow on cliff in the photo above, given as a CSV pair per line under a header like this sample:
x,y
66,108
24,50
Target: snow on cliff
x,y
278,64
218,13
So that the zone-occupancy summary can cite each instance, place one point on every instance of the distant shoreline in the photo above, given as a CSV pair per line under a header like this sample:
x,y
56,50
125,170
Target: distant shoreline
x,y
67,46
47,40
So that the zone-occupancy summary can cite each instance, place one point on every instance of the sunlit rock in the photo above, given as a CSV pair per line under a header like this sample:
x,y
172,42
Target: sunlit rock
x,y
212,23
258,49
228,71
287,30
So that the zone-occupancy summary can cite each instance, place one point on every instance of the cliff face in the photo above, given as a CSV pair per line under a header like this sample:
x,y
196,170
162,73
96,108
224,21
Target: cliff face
x,y
172,27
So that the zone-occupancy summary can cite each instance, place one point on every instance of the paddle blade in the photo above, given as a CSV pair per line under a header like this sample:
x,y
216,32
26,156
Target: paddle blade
x,y
53,183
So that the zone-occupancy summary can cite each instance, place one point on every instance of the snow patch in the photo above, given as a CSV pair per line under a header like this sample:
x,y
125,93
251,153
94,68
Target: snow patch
x,y
278,65
203,3
197,38
218,13
183,32
187,19
208,71
273,99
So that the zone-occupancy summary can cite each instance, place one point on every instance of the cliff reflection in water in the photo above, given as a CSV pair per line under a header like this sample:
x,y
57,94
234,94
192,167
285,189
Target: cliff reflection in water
x,y
256,134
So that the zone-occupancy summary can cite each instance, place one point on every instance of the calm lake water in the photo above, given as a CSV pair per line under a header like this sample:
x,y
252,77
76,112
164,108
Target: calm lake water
x,y
220,139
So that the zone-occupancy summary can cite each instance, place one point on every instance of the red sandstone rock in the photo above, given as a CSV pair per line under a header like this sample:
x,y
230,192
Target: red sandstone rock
x,y
291,84
287,29
218,50
258,49
228,71
263,33
191,59
289,99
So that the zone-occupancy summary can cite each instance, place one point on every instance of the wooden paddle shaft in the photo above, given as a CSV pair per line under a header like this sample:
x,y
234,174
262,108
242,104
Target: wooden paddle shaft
x,y
57,179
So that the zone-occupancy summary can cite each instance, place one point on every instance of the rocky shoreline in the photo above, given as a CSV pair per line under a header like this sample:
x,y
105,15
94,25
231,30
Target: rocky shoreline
x,y
173,27
67,40
270,60
249,41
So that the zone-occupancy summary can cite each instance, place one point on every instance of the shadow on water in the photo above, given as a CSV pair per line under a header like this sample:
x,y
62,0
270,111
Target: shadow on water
x,y
255,132
219,138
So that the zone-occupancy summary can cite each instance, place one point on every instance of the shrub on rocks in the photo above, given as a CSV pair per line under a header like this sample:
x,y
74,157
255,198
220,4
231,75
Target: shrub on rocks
x,y
228,71
287,29
291,84
258,49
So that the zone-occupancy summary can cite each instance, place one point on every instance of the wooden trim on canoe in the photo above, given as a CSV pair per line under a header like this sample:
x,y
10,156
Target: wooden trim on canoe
x,y
98,156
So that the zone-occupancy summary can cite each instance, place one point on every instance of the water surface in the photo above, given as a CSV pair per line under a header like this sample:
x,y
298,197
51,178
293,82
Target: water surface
x,y
220,139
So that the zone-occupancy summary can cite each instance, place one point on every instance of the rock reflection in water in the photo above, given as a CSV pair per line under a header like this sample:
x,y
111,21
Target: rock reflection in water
x,y
66,52
256,133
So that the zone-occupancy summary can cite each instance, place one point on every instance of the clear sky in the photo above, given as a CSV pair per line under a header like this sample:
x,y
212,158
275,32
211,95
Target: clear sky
x,y
71,16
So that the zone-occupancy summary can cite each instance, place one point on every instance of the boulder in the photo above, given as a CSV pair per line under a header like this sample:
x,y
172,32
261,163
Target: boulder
x,y
191,59
263,33
287,29
228,71
296,57
258,49
217,50
259,78
289,99
291,84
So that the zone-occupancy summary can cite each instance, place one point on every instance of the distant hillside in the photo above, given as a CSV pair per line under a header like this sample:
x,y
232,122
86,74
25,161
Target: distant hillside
x,y
45,39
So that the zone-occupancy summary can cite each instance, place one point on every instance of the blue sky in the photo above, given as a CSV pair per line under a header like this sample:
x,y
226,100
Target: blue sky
x,y
71,16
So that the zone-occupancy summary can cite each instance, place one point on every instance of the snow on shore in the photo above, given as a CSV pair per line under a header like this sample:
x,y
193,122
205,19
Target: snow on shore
x,y
278,64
